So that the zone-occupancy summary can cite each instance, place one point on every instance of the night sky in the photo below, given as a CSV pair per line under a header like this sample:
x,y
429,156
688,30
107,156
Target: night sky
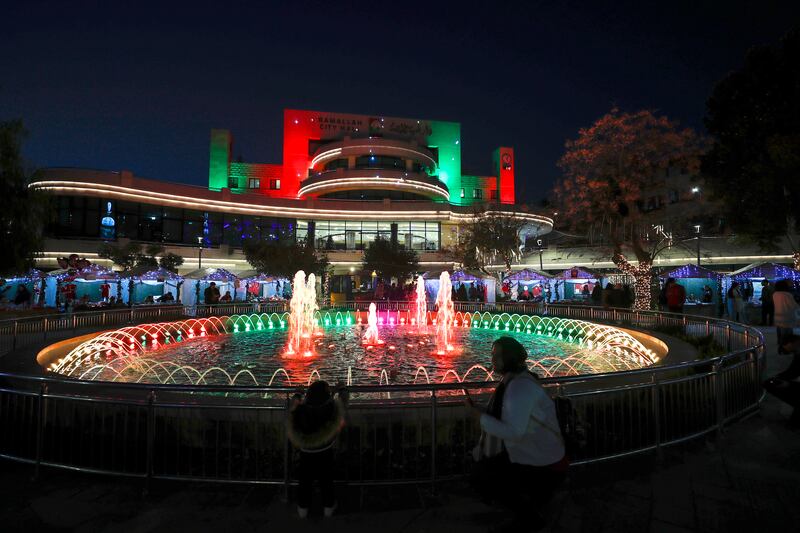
x,y
138,86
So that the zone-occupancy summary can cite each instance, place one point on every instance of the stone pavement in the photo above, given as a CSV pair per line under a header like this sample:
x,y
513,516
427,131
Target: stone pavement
x,y
748,480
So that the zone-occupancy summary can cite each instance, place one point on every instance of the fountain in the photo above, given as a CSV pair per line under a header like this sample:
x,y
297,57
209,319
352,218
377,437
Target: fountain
x,y
302,307
422,305
445,315
371,335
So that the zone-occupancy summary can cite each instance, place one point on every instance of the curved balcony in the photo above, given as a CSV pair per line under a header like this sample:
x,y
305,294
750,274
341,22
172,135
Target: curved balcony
x,y
373,145
374,179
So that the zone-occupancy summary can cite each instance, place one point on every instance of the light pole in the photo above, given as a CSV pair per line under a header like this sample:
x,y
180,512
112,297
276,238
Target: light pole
x,y
199,253
697,230
541,251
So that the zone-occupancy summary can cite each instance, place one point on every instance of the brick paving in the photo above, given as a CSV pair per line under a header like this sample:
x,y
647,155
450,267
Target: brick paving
x,y
748,479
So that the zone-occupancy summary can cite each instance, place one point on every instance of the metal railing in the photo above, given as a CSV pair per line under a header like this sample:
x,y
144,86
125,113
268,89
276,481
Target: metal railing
x,y
395,434
20,332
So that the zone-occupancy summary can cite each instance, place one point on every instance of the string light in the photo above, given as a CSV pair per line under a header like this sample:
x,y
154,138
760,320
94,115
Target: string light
x,y
642,278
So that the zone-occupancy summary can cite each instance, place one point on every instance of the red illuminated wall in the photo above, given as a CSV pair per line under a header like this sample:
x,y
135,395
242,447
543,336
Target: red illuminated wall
x,y
504,165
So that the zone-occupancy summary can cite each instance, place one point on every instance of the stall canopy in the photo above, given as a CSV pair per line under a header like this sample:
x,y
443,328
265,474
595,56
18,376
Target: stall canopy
x,y
260,285
529,275
147,281
461,277
771,271
225,281
691,271
93,282
578,273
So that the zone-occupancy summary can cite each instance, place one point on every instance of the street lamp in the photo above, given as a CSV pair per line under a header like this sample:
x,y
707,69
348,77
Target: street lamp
x,y
199,253
541,251
697,230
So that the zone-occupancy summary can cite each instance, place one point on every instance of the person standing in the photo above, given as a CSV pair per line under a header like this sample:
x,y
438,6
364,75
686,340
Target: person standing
x,y
734,301
676,296
767,305
785,310
314,424
597,293
521,457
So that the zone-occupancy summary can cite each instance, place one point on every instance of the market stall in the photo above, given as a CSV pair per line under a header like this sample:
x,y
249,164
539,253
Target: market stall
x,y
750,279
151,285
88,286
576,283
32,291
468,285
703,288
537,285
255,285
199,280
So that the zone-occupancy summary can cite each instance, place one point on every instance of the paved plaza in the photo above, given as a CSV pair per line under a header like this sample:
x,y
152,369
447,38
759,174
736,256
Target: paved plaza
x,y
750,479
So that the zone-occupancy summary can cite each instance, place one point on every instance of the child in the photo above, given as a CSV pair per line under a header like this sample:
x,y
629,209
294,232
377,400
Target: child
x,y
314,424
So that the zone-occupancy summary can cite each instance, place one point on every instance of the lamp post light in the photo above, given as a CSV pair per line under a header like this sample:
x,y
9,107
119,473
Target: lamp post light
x,y
199,253
697,230
541,251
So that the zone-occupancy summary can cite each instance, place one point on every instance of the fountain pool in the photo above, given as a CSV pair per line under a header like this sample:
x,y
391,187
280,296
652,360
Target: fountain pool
x,y
251,350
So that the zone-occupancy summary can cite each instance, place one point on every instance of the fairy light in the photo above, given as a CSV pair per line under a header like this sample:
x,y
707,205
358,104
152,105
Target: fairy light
x,y
641,274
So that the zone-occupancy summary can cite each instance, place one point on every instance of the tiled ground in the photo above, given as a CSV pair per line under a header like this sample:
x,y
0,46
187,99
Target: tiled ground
x,y
750,479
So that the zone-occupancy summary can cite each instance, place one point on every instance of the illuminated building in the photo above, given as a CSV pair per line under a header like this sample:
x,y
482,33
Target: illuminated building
x,y
345,180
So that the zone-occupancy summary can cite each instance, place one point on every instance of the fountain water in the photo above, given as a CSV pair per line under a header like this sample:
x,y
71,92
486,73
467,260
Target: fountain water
x,y
445,314
371,335
302,307
422,304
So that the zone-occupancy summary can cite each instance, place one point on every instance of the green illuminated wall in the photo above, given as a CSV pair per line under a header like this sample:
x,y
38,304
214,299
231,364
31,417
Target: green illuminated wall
x,y
446,136
219,159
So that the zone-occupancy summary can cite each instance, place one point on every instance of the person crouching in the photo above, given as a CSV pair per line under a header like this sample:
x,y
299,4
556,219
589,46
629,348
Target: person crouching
x,y
314,423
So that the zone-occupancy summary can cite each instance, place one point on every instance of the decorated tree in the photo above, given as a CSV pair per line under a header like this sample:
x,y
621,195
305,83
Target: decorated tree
x,y
390,260
605,170
131,255
490,237
754,164
283,258
23,211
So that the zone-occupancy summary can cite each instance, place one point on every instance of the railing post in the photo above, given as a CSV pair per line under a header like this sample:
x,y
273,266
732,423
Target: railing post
x,y
44,328
40,429
14,339
286,450
151,430
657,412
728,336
104,318
74,324
716,374
708,328
433,441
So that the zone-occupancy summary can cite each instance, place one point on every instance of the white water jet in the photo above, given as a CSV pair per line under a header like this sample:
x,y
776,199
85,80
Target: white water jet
x,y
444,315
371,335
302,307
422,304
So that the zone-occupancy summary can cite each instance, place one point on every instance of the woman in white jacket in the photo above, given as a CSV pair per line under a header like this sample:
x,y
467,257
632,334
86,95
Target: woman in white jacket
x,y
521,458
786,310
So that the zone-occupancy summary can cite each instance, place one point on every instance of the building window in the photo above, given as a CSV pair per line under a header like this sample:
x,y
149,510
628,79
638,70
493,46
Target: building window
x,y
493,194
477,194
462,193
253,183
673,196
275,184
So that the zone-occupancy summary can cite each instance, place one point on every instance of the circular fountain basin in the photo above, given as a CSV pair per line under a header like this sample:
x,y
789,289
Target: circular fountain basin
x,y
251,350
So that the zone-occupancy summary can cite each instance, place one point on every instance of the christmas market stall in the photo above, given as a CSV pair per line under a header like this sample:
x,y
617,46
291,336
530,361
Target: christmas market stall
x,y
468,285
23,289
151,285
199,280
750,280
260,286
576,283
527,285
85,287
703,288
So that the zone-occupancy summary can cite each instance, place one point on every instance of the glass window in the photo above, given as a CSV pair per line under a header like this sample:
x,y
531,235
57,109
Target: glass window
x,y
172,230
253,183
275,184
477,194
